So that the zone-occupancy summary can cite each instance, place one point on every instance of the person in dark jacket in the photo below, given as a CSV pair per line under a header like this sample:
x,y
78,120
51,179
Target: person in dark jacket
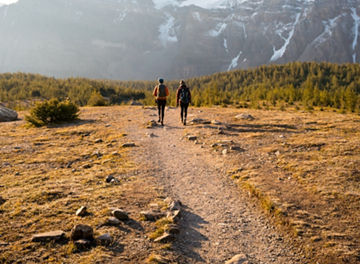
x,y
161,92
183,98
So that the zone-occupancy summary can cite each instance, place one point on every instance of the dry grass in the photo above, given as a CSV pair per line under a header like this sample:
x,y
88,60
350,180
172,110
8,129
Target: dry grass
x,y
304,168
48,173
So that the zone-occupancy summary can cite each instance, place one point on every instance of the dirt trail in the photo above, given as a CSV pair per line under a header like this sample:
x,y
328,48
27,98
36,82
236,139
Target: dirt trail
x,y
219,220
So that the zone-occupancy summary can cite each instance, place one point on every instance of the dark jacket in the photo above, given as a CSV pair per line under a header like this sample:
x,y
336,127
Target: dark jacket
x,y
178,93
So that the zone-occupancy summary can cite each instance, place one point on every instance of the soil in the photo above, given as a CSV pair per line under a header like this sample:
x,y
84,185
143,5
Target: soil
x,y
219,220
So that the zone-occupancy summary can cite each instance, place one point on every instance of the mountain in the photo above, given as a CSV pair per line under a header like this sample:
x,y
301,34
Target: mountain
x,y
143,39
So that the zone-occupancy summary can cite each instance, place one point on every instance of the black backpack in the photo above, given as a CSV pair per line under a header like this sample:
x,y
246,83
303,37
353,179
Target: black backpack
x,y
184,95
161,91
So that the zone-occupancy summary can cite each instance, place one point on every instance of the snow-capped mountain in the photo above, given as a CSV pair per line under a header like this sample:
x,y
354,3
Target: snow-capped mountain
x,y
143,39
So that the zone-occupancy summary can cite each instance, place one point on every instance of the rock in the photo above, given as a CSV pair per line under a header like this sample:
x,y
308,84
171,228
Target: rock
x,y
225,152
112,221
237,148
175,205
104,239
82,232
238,259
151,215
136,103
7,114
86,166
48,236
120,214
99,140
109,178
174,215
216,123
129,145
165,238
82,244
199,121
151,124
82,211
151,135
245,116
192,138
2,200
172,229
115,153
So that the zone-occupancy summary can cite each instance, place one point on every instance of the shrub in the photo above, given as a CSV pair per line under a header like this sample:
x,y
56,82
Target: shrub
x,y
52,111
96,99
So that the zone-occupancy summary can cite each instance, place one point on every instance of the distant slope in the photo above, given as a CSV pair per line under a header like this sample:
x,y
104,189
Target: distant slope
x,y
144,39
307,84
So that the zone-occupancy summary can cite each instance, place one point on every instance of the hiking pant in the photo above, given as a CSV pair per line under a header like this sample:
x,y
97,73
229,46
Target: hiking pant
x,y
184,108
161,109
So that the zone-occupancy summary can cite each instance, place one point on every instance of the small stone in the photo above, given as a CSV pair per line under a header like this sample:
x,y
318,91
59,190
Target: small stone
x,y
17,173
165,238
225,152
237,148
120,214
82,211
109,178
82,244
175,205
82,232
87,166
174,215
215,122
48,236
99,140
2,200
3,244
151,215
112,221
238,259
129,145
104,239
245,116
115,153
192,138
172,229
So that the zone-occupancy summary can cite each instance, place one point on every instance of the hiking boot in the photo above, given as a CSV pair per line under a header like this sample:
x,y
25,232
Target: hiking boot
x,y
159,120
162,123
185,122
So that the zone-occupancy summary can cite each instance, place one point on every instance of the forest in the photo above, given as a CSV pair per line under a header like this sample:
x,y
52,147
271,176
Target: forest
x,y
306,85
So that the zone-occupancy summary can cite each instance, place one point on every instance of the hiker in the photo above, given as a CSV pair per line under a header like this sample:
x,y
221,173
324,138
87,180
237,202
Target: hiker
x,y
183,97
161,92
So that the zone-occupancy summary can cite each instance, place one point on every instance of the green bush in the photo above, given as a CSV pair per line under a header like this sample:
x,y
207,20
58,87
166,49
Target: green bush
x,y
52,111
96,99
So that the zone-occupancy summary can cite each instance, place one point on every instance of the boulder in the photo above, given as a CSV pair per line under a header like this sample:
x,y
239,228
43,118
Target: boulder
x,y
238,259
7,114
82,232
120,214
48,236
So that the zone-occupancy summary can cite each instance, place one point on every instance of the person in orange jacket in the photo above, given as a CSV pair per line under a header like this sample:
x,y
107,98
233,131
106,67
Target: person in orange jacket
x,y
160,93
183,98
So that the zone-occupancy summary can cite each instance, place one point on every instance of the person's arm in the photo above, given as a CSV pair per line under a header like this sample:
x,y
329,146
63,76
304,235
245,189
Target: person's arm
x,y
167,91
177,96
155,91
189,97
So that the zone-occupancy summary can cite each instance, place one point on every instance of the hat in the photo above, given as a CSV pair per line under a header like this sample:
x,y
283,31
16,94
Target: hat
x,y
182,82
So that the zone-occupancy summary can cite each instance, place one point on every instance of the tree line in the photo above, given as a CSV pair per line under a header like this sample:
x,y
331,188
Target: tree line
x,y
304,84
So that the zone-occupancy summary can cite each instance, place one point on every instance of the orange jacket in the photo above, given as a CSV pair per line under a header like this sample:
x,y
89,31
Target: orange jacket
x,y
156,92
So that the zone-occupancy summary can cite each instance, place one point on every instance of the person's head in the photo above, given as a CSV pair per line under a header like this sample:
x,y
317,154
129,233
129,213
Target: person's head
x,y
182,82
161,80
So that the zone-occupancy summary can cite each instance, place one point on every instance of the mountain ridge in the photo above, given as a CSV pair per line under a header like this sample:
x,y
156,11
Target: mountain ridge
x,y
143,39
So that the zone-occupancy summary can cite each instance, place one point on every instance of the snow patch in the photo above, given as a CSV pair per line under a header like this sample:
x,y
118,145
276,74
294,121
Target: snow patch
x,y
206,4
355,31
167,31
196,16
218,30
280,52
329,25
7,2
226,46
234,62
